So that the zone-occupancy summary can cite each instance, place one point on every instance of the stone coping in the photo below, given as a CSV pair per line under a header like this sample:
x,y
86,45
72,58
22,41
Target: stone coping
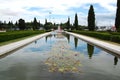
x,y
115,49
102,44
13,46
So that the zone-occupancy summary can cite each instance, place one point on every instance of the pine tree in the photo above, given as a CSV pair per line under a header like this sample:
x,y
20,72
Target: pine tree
x,y
76,22
117,20
91,19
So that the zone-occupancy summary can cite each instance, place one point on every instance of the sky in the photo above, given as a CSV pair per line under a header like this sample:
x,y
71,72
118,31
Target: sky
x,y
58,11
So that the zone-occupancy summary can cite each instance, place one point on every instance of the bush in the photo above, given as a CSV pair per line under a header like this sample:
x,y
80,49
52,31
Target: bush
x,y
7,36
115,37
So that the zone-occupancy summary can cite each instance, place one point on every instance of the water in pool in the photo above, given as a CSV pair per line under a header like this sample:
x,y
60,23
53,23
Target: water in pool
x,y
59,57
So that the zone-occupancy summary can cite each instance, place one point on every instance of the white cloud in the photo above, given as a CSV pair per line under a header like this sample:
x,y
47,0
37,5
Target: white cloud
x,y
15,9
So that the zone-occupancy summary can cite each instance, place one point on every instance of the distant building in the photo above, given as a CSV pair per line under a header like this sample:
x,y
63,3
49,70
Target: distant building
x,y
113,28
102,28
106,28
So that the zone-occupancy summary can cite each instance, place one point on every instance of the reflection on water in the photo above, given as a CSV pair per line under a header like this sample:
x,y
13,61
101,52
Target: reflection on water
x,y
62,59
68,37
48,57
115,60
35,42
76,41
90,49
49,36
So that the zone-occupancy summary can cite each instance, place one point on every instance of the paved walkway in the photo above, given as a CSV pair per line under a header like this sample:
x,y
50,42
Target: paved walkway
x,y
105,45
10,47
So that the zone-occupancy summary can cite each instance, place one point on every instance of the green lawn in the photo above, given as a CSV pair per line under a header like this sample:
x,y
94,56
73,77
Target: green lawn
x,y
12,36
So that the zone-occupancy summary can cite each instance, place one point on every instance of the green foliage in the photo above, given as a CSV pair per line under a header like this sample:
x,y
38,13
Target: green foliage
x,y
11,35
21,24
0,23
76,42
117,20
101,35
91,19
90,49
35,24
48,26
10,25
115,33
76,22
115,38
68,24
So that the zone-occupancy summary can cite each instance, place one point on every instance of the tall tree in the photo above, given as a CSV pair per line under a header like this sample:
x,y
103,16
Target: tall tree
x,y
16,23
35,24
117,20
45,21
1,24
48,25
45,25
21,24
76,22
68,23
91,19
10,25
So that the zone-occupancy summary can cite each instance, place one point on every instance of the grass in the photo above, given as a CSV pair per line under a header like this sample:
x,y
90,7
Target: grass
x,y
13,36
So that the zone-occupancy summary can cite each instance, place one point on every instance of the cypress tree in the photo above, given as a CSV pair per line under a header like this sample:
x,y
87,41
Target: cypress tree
x,y
45,25
76,22
45,22
91,19
117,20
16,24
35,24
0,24
68,23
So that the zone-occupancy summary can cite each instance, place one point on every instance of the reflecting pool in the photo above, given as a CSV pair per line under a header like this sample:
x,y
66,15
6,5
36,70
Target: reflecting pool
x,y
59,57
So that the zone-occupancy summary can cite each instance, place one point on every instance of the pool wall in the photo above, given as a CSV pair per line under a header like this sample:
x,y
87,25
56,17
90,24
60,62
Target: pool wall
x,y
16,45
115,49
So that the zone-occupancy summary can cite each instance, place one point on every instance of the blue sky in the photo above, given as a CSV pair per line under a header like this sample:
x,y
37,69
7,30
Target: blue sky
x,y
105,10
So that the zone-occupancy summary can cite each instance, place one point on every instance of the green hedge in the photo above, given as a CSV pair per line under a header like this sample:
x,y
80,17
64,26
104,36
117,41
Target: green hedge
x,y
115,37
7,36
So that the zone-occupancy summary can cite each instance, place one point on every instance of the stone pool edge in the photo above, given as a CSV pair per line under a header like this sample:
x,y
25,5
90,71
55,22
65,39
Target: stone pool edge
x,y
16,45
104,45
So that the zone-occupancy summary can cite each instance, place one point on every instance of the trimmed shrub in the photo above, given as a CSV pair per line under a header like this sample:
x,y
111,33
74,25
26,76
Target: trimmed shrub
x,y
115,37
17,34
